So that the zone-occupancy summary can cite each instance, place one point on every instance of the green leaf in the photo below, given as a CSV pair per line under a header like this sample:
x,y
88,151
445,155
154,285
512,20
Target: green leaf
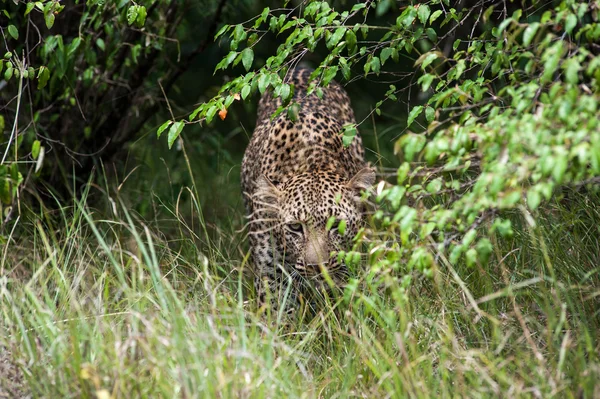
x,y
497,32
570,23
277,112
529,33
459,69
416,111
5,196
431,35
100,44
406,19
265,13
221,31
423,13
533,199
504,227
351,41
375,65
330,223
132,13
434,186
49,19
426,230
336,37
560,167
471,257
284,91
174,132
427,58
329,75
210,114
288,25
35,149
29,8
74,46
12,30
141,17
383,7
228,101
293,112
40,159
8,73
358,6
162,128
195,113
342,227
436,14
484,250
245,91
247,58
349,132
406,224
572,68
429,114
552,55
425,81
43,76
226,60
395,195
311,9
253,37
345,68
263,82
385,54
403,172
239,33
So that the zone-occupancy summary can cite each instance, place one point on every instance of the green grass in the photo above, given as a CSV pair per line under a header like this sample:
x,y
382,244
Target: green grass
x,y
104,304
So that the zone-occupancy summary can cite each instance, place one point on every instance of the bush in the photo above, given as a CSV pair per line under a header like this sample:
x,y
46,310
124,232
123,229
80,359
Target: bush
x,y
507,119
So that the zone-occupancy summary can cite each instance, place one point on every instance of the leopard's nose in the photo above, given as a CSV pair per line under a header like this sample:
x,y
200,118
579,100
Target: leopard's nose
x,y
317,252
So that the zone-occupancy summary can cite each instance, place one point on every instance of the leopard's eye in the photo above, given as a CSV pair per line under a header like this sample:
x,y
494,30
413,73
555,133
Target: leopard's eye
x,y
295,227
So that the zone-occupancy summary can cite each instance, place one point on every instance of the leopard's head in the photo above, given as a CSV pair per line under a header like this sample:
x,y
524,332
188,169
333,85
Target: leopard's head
x,y
312,216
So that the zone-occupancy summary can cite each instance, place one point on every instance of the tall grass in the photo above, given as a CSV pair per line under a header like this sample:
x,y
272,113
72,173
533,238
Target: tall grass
x,y
104,304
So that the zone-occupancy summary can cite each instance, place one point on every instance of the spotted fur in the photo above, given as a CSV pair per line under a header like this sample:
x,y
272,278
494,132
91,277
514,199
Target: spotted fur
x,y
295,176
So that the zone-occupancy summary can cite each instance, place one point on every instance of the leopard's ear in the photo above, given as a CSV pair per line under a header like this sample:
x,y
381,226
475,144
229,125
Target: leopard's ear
x,y
266,195
362,180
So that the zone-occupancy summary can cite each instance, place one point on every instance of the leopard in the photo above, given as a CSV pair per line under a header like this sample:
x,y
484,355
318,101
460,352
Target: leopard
x,y
301,184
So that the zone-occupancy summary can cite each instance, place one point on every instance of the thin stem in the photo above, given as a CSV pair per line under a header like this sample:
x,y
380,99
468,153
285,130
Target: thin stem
x,y
15,123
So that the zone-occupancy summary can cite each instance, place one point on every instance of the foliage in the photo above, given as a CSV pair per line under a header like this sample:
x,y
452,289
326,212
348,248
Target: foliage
x,y
81,79
511,112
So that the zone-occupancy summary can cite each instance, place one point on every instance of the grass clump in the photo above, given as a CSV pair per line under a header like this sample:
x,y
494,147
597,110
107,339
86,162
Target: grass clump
x,y
109,307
